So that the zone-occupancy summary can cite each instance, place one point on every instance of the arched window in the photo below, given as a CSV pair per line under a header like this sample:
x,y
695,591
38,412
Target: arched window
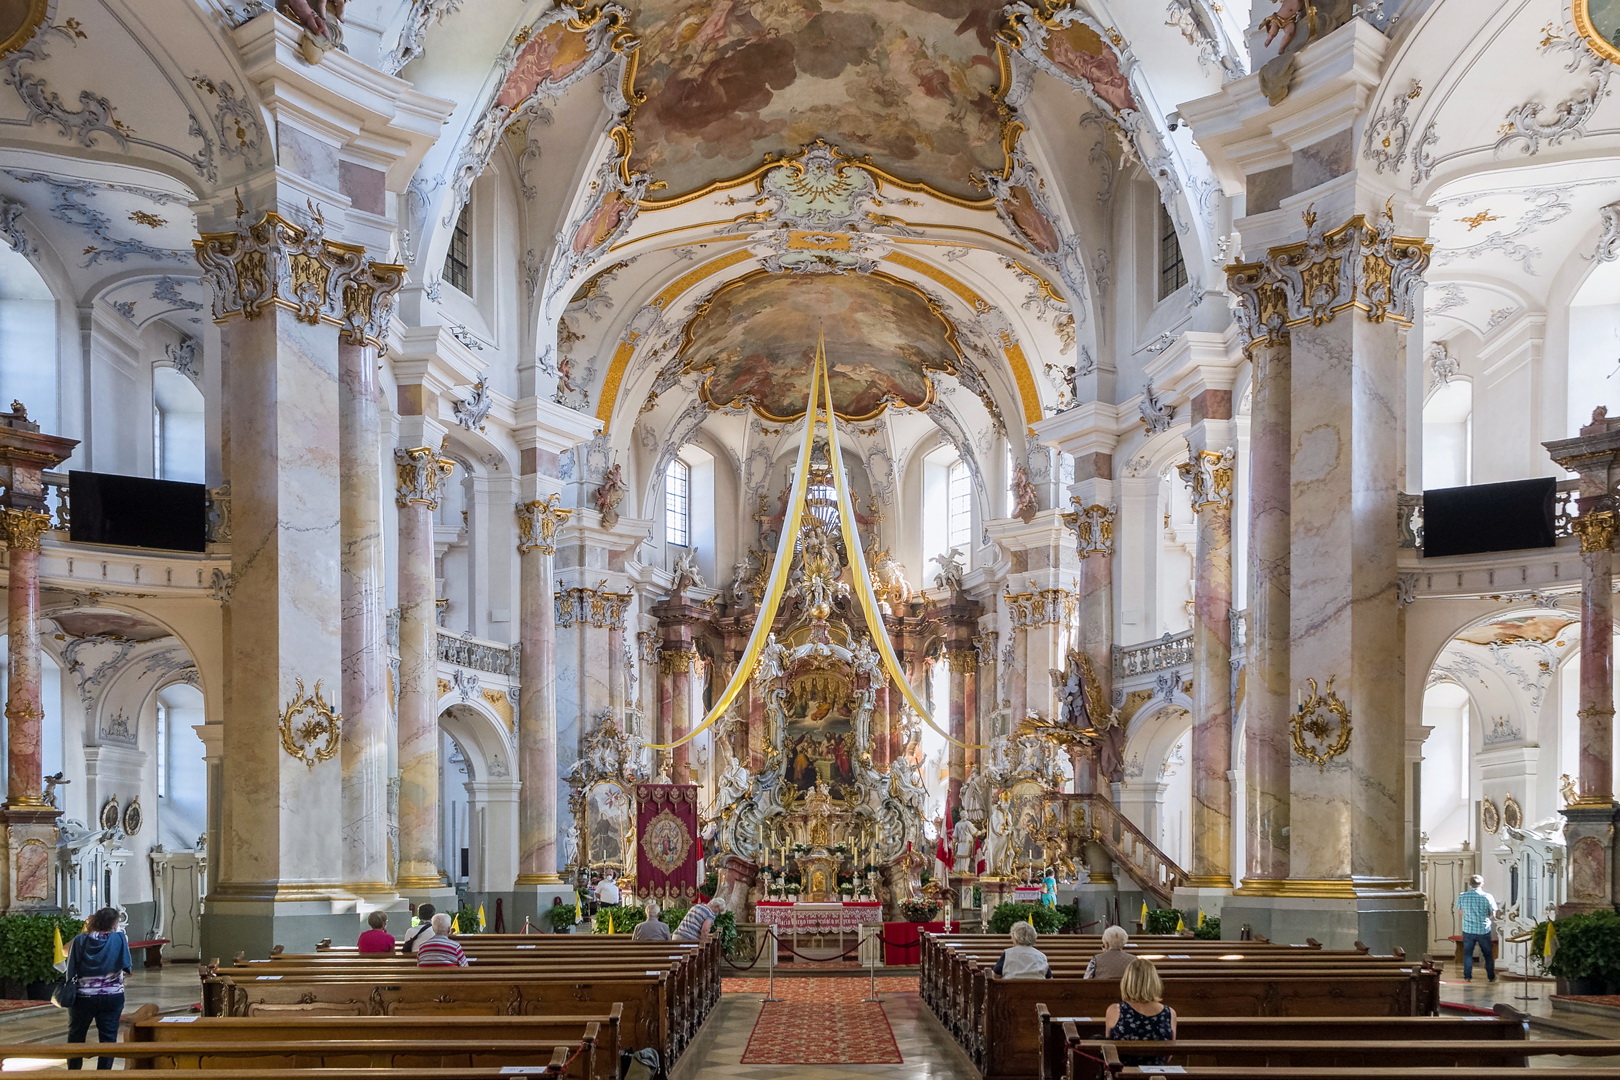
x,y
678,503
1172,264
27,339
1448,435
960,494
177,427
458,260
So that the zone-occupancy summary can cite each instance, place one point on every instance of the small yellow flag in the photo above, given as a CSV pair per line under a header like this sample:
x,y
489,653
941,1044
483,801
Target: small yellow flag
x,y
610,922
1200,918
1548,947
579,915
1144,913
480,918
58,954
1181,924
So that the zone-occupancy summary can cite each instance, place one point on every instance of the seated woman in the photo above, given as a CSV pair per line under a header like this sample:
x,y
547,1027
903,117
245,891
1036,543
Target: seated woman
x,y
1023,960
377,939
652,928
441,949
1112,961
1140,1016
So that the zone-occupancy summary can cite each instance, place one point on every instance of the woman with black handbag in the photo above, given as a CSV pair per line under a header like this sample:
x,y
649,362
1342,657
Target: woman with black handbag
x,y
97,962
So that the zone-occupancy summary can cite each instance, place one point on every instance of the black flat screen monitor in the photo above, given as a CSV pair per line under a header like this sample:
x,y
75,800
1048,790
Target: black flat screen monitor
x,y
1489,517
133,511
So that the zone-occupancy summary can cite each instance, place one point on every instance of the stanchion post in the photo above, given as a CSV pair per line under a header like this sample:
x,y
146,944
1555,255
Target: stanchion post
x,y
873,940
1524,995
770,992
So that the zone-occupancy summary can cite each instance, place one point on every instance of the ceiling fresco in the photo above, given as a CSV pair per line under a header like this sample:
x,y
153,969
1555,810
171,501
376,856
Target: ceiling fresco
x,y
756,339
727,83
1520,628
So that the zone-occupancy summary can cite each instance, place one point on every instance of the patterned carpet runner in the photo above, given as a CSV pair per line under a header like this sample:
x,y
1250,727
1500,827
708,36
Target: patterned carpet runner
x,y
804,991
847,1033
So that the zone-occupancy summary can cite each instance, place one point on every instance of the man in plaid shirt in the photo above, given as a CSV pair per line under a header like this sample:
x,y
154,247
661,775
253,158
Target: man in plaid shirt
x,y
1478,908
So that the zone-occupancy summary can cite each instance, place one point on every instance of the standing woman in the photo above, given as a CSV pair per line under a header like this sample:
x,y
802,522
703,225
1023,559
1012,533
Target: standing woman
x,y
97,960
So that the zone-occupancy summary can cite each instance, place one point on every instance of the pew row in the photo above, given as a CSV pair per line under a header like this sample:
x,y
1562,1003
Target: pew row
x,y
1095,1059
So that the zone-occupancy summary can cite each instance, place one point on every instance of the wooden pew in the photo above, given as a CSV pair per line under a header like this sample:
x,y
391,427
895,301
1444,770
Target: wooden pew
x,y
148,1027
1010,1007
1579,1072
553,1068
1057,1033
1263,1060
577,1061
645,999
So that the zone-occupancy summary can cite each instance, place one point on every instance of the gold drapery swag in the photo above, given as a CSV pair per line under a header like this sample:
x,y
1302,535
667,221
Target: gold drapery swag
x,y
818,410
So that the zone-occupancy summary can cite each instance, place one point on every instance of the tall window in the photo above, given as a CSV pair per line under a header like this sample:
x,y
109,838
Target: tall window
x,y
162,750
177,427
678,503
458,261
959,500
1172,267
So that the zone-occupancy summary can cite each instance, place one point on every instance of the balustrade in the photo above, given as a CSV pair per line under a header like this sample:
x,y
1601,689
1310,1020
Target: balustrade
x,y
468,652
1170,651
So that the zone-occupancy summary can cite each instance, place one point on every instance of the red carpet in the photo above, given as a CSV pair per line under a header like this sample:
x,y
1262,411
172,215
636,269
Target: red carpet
x,y
803,991
792,1033
15,1005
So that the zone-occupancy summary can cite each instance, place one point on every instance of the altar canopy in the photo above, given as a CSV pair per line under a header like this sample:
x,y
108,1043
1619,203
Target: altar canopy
x,y
668,855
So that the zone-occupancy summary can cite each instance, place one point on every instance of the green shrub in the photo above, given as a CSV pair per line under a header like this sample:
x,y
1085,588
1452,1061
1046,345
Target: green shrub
x,y
1162,921
1211,930
467,920
623,916
1045,920
725,927
1588,946
25,945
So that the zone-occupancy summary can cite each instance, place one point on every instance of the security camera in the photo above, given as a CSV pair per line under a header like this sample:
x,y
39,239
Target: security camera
x,y
1173,121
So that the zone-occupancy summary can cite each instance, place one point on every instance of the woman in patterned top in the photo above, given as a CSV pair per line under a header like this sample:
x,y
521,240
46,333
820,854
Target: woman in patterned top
x,y
97,960
1141,1015
441,949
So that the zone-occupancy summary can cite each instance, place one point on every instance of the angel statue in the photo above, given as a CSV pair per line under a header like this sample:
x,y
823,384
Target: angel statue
x,y
864,660
951,568
322,22
609,495
687,574
733,781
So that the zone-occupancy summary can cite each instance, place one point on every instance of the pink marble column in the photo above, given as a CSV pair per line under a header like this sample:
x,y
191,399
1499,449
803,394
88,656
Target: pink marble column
x,y
537,693
24,704
1267,703
365,702
675,666
1597,658
421,471
1210,475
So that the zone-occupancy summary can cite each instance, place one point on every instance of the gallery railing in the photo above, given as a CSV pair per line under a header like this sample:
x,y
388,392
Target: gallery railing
x,y
467,652
1170,651
1409,523
1154,872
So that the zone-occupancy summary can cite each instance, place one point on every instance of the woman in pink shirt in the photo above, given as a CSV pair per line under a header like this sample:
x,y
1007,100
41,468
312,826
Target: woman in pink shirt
x,y
377,939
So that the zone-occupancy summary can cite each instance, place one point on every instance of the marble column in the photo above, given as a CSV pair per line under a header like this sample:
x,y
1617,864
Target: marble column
x,y
675,665
420,473
1267,686
1594,455
24,703
1209,474
538,521
365,662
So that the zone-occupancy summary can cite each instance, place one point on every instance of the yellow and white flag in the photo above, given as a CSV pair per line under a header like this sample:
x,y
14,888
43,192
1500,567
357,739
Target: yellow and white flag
x,y
481,918
1550,945
1181,924
1144,914
58,954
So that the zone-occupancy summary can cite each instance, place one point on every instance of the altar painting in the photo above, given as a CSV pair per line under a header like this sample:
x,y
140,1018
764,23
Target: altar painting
x,y
819,736
608,819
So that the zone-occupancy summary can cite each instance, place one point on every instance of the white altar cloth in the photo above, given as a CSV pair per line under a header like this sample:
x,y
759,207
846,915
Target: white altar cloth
x,y
819,918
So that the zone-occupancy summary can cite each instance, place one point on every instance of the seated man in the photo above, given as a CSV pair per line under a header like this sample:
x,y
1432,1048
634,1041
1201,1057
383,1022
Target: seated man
x,y
1112,961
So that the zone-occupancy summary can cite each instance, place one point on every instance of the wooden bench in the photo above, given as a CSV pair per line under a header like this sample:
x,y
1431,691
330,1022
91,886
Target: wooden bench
x,y
1263,1059
1506,1026
576,1061
554,1068
647,1014
1211,1072
600,1033
153,949
1010,1007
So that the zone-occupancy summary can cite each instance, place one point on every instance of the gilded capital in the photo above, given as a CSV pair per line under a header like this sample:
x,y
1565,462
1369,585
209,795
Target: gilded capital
x,y
677,661
275,262
1596,530
420,471
1093,527
538,522
1208,475
23,528
1361,265
962,661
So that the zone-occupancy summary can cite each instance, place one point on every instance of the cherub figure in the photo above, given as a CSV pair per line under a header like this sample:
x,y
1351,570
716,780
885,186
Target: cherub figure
x,y
1283,23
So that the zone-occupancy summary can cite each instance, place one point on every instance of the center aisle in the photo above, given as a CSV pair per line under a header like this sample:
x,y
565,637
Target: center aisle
x,y
812,1009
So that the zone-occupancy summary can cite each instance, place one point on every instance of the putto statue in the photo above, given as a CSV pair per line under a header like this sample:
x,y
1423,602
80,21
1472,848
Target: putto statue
x,y
1026,502
687,574
609,495
951,568
322,21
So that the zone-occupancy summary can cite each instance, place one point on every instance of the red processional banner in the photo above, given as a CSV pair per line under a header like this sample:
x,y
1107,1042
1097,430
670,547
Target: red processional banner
x,y
668,854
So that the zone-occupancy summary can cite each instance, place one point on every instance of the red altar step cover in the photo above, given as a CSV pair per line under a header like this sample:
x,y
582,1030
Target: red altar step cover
x,y
902,941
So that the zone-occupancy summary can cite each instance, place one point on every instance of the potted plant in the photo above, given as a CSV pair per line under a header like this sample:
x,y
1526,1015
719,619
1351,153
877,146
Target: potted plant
x,y
1586,953
919,911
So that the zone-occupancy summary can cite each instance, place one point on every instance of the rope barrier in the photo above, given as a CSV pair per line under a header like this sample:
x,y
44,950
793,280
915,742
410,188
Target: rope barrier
x,y
752,963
